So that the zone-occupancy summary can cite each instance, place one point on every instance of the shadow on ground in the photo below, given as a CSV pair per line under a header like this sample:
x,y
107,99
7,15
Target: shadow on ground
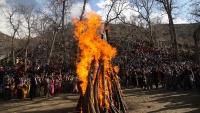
x,y
66,103
178,99
63,110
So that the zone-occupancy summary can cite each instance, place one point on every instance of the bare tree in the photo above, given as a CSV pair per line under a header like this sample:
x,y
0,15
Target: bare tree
x,y
15,22
83,10
41,26
56,15
196,36
195,10
116,7
81,18
55,24
195,13
27,14
63,24
144,8
168,6
66,4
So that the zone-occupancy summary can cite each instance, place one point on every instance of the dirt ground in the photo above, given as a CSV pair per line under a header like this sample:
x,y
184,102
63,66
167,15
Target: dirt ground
x,y
138,101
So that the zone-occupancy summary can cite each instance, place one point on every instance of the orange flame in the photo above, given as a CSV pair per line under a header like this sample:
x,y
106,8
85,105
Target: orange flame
x,y
88,33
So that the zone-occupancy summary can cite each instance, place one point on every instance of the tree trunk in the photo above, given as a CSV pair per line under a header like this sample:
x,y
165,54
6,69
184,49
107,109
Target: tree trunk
x,y
81,18
12,48
196,43
107,35
25,61
63,29
173,36
52,46
151,35
168,8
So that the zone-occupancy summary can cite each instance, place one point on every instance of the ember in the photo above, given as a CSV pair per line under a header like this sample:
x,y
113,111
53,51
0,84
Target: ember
x,y
100,88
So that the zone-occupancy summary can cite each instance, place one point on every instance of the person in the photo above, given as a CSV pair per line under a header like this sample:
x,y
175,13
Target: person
x,y
144,84
52,85
175,77
168,75
127,79
60,84
74,83
47,86
38,87
162,77
33,86
197,80
56,83
155,76
12,88
135,78
7,89
149,78
188,78
1,74
19,90
140,78
25,90
42,86
66,85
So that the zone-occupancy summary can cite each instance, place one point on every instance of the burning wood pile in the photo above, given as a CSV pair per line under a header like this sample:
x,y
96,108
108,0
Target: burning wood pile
x,y
100,88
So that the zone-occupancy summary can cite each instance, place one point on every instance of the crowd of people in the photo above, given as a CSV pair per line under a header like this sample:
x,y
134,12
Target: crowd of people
x,y
146,67
38,82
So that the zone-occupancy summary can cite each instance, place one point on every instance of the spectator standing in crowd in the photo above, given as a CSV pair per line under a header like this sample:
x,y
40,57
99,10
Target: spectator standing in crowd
x,y
67,80
74,82
42,86
162,77
38,87
60,84
19,90
7,90
149,78
168,77
52,85
144,79
197,78
47,86
34,84
127,79
25,89
188,78
155,76
12,88
56,84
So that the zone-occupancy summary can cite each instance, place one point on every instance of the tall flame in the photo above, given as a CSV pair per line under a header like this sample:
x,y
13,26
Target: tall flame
x,y
88,33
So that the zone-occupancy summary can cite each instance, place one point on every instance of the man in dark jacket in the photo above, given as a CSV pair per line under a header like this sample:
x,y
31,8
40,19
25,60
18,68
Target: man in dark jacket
x,y
155,76
188,78
33,86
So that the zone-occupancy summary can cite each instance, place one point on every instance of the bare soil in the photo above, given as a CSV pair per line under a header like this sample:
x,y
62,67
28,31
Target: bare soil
x,y
138,101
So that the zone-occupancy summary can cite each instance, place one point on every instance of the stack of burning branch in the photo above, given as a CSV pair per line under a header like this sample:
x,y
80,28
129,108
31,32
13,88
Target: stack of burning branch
x,y
103,93
100,88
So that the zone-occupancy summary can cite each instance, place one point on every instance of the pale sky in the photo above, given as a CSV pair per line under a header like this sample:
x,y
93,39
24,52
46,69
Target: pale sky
x,y
95,5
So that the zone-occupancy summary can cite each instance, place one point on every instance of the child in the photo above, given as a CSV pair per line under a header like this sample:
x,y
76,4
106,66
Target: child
x,y
19,90
25,89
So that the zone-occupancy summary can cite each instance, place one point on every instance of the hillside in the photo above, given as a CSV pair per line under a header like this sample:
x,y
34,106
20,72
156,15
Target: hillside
x,y
119,34
5,45
126,33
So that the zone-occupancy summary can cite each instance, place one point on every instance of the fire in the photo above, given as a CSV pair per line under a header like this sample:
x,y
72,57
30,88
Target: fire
x,y
116,68
93,47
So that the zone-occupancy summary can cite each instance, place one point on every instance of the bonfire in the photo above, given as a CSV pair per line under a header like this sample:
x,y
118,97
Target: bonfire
x,y
99,84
